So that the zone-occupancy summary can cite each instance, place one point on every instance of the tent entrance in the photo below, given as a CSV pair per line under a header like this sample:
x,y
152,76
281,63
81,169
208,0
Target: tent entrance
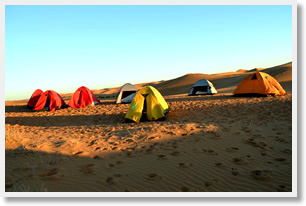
x,y
127,93
200,90
47,105
144,111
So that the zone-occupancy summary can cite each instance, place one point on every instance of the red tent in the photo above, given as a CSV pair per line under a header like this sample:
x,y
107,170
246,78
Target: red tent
x,y
34,98
82,97
49,100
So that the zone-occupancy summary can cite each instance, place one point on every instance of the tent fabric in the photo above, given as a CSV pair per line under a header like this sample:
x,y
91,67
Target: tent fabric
x,y
259,83
50,100
203,86
83,97
125,91
128,99
34,98
149,100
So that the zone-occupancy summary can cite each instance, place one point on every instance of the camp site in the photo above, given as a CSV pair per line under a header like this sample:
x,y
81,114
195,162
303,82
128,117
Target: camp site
x,y
150,100
202,128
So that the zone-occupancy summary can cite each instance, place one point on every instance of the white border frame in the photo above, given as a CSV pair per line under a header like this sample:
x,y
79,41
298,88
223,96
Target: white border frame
x,y
294,192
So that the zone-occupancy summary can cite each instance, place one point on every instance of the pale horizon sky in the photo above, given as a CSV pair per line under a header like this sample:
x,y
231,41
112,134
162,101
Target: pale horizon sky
x,y
64,47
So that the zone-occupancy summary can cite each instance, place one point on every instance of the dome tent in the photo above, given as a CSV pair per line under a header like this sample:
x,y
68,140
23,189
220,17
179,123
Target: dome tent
x,y
83,97
126,93
149,102
203,86
34,98
49,101
259,83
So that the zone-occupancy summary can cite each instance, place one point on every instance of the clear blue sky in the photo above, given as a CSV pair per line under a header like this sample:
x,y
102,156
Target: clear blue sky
x,y
65,47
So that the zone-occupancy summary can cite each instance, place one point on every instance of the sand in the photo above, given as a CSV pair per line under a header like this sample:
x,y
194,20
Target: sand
x,y
216,143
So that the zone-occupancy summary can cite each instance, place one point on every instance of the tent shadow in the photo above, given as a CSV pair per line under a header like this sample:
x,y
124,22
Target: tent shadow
x,y
19,108
61,121
202,97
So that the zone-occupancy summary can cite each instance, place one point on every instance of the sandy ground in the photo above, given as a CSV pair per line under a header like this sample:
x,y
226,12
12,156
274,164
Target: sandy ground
x,y
216,143
206,144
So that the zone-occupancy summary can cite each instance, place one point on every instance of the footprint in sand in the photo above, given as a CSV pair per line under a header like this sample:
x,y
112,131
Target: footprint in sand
x,y
263,175
242,160
77,153
59,143
232,149
258,136
88,168
153,137
129,154
174,146
51,174
280,159
246,130
280,139
281,188
185,189
111,180
271,164
9,185
251,141
97,157
114,148
92,143
119,162
235,171
149,150
263,153
175,153
184,165
220,165
261,144
152,176
209,151
209,183
287,151
162,157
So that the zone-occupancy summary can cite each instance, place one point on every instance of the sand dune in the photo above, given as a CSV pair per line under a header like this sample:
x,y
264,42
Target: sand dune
x,y
206,144
224,82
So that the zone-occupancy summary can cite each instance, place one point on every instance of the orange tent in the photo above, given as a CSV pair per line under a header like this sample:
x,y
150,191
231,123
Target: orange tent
x,y
259,83
49,100
83,97
34,98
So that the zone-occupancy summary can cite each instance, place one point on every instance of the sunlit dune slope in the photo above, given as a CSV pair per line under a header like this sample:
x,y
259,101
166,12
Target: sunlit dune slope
x,y
224,82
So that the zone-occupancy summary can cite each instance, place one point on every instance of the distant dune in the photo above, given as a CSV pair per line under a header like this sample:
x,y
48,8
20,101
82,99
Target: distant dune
x,y
224,82
242,70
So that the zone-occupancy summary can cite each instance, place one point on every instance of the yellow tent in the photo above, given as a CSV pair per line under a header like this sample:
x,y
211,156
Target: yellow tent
x,y
147,100
259,83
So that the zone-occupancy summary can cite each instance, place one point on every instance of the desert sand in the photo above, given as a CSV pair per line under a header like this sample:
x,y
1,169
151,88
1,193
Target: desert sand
x,y
216,143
